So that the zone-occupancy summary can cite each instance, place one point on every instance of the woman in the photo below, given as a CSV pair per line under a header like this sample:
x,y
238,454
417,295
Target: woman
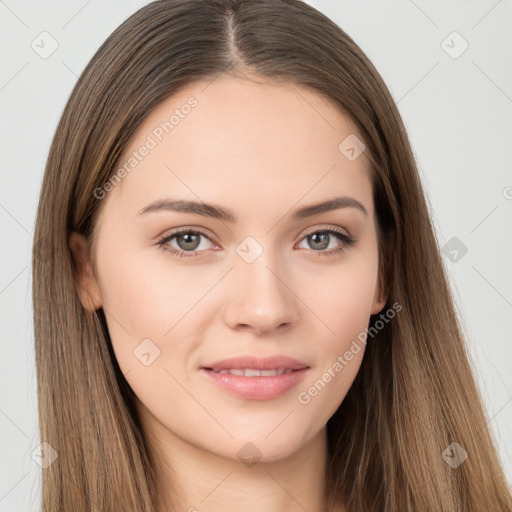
x,y
238,296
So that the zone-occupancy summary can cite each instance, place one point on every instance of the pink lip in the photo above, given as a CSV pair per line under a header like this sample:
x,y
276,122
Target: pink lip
x,y
256,388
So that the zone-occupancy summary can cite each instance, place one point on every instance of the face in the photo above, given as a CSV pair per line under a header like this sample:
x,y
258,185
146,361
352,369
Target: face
x,y
259,280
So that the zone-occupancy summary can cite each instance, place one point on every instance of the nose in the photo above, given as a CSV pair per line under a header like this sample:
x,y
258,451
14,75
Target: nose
x,y
261,297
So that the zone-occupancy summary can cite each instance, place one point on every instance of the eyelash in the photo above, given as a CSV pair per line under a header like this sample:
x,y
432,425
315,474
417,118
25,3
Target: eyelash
x,y
348,241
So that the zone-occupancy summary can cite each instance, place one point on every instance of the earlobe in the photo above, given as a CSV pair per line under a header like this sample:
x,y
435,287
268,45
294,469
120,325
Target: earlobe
x,y
384,268
380,298
86,283
378,305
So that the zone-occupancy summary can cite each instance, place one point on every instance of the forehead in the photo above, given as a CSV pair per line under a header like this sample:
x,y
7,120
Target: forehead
x,y
242,142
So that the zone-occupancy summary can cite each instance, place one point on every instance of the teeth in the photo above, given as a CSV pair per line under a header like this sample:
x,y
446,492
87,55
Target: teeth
x,y
253,372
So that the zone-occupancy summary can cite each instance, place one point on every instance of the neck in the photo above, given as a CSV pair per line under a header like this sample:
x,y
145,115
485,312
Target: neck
x,y
195,480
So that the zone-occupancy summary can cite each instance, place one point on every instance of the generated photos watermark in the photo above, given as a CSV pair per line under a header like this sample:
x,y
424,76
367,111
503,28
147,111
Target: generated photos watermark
x,y
151,142
304,397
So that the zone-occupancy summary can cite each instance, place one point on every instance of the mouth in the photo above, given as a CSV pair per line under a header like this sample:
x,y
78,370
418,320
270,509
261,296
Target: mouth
x,y
256,379
253,372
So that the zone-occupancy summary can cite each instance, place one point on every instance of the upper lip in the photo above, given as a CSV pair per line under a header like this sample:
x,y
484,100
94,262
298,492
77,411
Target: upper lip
x,y
259,363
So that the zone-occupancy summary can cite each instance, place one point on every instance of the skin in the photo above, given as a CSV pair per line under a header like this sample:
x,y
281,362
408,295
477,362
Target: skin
x,y
263,150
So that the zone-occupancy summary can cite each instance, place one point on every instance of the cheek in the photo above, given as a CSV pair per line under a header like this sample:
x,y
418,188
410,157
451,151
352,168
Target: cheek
x,y
345,311
145,296
154,309
341,304
175,306
341,297
160,301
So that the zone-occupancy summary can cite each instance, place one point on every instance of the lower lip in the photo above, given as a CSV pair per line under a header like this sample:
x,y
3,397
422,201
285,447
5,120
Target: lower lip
x,y
256,388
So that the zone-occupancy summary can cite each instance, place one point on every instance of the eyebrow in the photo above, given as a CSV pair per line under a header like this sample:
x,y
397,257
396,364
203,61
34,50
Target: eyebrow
x,y
227,215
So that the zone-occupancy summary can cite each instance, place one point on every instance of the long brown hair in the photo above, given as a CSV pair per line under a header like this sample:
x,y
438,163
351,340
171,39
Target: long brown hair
x,y
414,394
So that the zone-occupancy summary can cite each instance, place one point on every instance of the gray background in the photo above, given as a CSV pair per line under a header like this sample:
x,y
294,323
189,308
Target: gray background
x,y
457,108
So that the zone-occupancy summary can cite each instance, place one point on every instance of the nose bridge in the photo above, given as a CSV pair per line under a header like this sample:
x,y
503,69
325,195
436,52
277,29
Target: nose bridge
x,y
261,296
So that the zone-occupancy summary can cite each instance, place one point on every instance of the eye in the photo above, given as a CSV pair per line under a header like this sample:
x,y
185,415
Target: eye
x,y
321,239
188,240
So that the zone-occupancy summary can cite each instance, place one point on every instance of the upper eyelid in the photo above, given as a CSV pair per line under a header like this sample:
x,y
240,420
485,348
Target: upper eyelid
x,y
213,239
327,228
173,233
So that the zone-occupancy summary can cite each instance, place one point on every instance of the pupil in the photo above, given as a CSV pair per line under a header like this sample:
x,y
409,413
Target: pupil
x,y
324,243
191,241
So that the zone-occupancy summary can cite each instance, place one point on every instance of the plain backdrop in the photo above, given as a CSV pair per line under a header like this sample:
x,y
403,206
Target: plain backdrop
x,y
448,66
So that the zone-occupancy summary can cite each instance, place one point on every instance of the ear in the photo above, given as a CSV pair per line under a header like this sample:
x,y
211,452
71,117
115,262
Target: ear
x,y
86,283
380,298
